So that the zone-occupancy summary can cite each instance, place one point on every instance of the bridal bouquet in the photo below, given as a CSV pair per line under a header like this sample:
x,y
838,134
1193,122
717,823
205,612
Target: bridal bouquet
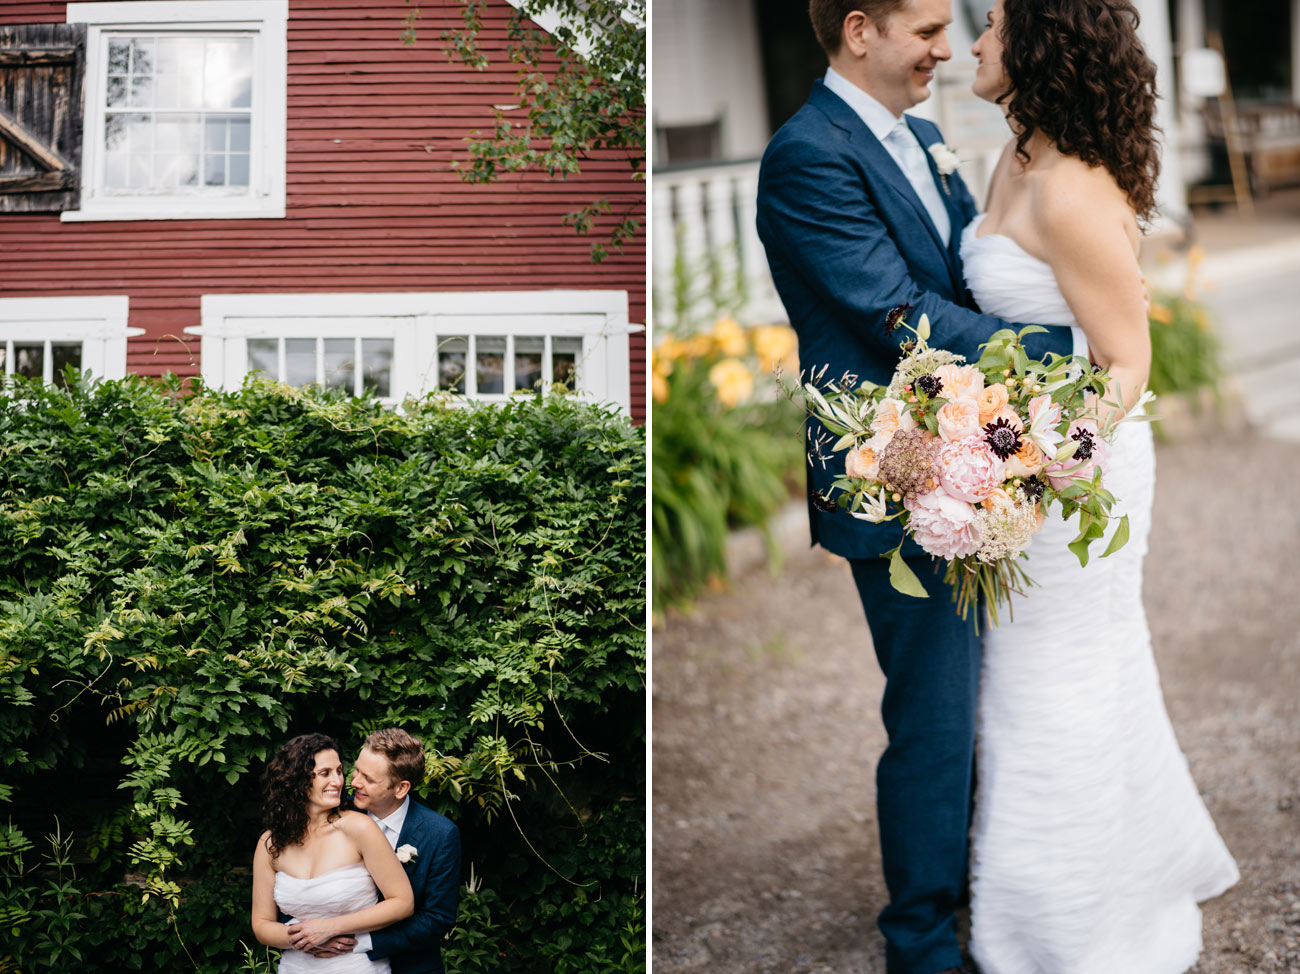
x,y
970,458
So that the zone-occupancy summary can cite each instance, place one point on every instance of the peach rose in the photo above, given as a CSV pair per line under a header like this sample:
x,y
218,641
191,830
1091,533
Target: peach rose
x,y
864,459
892,415
959,381
958,419
1026,461
991,400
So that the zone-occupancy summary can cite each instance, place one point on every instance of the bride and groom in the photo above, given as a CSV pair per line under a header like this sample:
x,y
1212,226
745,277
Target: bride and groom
x,y
1089,846
319,869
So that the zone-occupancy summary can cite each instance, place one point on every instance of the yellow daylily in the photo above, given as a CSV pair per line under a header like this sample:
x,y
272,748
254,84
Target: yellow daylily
x,y
730,337
659,387
775,343
732,380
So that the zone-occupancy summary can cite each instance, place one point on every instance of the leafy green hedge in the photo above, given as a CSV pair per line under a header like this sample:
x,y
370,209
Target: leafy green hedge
x,y
189,578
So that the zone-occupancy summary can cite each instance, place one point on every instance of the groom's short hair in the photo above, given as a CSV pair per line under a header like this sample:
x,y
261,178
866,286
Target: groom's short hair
x,y
405,753
828,18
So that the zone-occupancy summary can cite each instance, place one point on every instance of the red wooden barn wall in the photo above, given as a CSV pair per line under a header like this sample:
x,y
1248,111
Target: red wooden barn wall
x,y
372,204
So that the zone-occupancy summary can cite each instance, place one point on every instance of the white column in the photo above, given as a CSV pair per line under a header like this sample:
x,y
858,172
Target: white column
x,y
1171,193
720,216
663,243
763,304
692,240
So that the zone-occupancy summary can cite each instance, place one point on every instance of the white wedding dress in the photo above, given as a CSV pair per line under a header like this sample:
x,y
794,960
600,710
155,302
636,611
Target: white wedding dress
x,y
1090,846
339,891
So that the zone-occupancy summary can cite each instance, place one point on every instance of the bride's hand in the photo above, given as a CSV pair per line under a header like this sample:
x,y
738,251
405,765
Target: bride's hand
x,y
335,946
311,934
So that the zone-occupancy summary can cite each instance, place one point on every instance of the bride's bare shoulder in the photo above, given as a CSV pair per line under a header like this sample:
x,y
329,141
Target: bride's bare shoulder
x,y
1070,196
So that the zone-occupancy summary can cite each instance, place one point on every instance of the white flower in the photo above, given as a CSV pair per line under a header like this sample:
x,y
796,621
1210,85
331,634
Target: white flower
x,y
946,159
875,509
406,853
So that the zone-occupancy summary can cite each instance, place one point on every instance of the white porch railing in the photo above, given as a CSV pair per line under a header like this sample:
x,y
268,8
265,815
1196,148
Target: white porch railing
x,y
707,257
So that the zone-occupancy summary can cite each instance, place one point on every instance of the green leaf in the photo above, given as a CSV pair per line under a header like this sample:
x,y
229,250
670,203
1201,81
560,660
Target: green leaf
x,y
1119,539
1080,548
903,578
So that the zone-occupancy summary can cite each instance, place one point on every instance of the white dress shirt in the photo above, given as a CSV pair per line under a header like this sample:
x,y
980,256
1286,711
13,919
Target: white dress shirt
x,y
905,149
391,826
900,142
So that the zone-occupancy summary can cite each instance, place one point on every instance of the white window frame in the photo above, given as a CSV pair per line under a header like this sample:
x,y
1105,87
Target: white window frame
x,y
99,323
418,322
266,21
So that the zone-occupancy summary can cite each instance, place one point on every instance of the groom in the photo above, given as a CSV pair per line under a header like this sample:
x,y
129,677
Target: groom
x,y
389,762
857,221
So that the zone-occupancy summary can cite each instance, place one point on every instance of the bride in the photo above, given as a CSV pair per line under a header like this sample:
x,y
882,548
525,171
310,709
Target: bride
x,y
1090,846
321,866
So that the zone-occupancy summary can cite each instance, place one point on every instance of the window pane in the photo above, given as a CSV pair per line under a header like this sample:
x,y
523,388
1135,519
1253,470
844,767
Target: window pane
x,y
116,92
65,354
263,357
565,353
29,359
528,362
214,172
227,68
451,363
142,55
300,361
239,129
239,170
377,362
490,366
119,56
141,92
340,367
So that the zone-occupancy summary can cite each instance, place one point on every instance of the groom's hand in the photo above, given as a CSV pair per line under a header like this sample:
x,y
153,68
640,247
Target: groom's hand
x,y
342,944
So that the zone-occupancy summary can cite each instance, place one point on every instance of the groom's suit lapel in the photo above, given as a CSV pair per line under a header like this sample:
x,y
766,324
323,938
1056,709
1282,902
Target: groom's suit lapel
x,y
881,164
956,219
411,830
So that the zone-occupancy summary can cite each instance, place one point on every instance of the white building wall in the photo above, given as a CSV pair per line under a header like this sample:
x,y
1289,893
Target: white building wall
x,y
707,65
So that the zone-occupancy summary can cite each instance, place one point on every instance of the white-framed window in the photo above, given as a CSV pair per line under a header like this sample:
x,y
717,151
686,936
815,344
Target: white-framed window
x,y
39,337
485,345
184,109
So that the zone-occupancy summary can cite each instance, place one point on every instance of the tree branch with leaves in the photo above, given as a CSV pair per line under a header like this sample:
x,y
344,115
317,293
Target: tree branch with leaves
x,y
582,84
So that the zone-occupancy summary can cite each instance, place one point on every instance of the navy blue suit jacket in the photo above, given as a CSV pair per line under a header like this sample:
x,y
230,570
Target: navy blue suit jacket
x,y
847,239
414,945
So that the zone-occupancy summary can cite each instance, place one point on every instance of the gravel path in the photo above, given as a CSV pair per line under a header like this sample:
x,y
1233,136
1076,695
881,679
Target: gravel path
x,y
767,730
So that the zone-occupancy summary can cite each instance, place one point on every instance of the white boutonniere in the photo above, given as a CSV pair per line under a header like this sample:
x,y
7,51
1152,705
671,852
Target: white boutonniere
x,y
946,161
407,853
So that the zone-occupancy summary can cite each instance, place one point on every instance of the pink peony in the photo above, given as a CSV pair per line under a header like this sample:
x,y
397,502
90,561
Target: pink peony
x,y
959,381
943,525
1091,455
969,470
958,419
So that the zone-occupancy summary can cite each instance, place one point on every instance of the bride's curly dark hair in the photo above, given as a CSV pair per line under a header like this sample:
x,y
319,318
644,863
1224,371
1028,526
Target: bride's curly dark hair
x,y
285,785
1078,74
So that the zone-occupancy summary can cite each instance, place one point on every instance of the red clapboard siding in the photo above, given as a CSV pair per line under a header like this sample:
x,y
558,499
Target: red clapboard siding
x,y
372,201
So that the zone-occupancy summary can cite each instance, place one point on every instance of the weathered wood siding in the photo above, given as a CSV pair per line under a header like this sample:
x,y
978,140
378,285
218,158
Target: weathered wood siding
x,y
372,202
41,68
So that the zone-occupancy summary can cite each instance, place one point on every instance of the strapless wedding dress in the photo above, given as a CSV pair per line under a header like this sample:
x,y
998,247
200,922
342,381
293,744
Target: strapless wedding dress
x,y
339,891
1090,846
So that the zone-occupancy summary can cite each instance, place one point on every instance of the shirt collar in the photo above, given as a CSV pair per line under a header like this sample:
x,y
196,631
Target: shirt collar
x,y
397,819
879,119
